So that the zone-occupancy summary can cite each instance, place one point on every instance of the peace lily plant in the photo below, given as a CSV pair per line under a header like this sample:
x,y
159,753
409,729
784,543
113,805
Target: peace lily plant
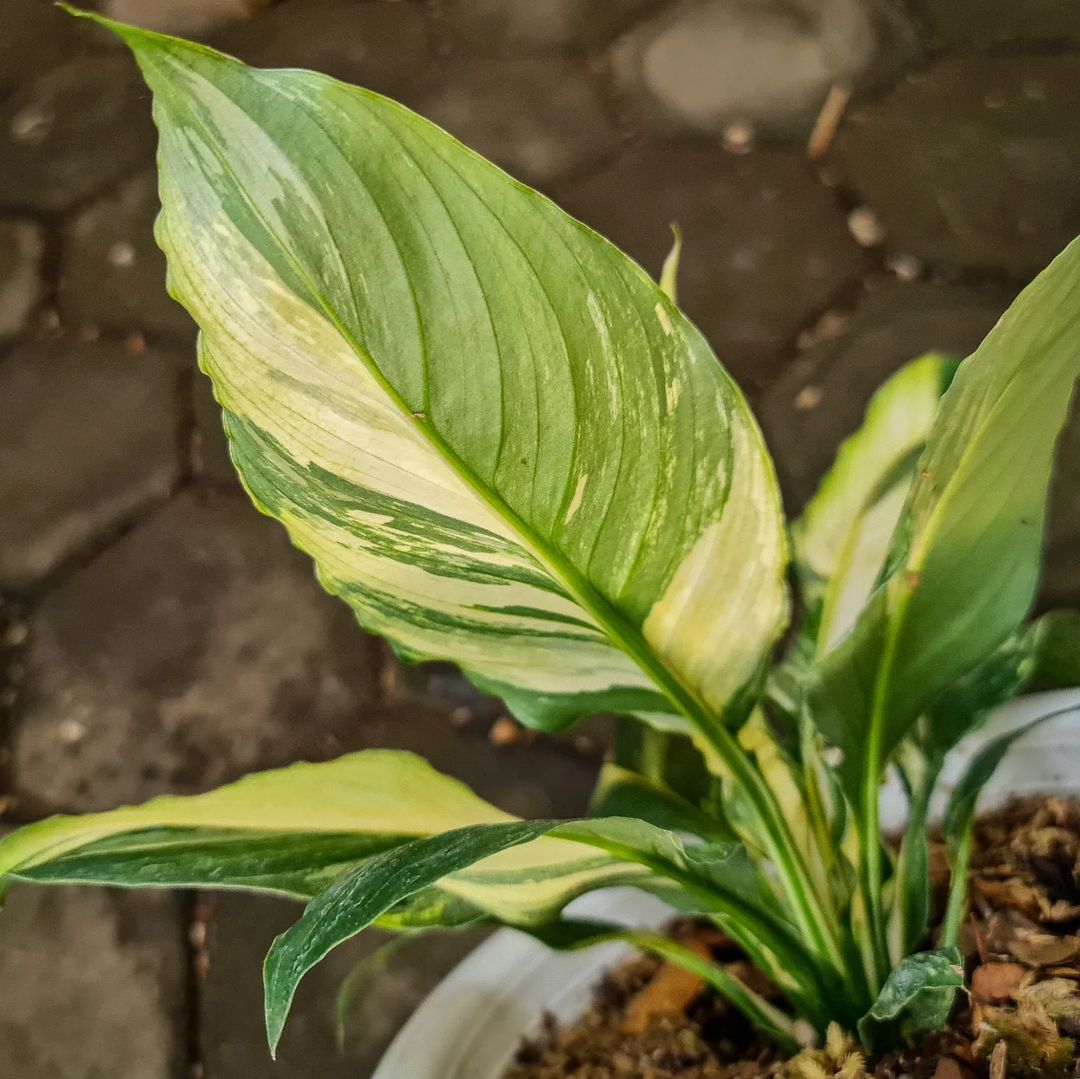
x,y
505,446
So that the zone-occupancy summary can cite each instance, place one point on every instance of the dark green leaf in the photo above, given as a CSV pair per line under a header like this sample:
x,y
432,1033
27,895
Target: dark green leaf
x,y
358,897
917,998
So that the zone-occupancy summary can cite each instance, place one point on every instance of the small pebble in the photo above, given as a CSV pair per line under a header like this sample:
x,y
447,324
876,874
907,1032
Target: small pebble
x,y
122,255
32,124
71,732
865,227
738,138
504,732
906,268
808,398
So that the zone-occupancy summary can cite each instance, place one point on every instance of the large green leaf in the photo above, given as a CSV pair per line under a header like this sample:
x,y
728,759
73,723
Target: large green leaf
x,y
841,541
964,563
498,438
294,830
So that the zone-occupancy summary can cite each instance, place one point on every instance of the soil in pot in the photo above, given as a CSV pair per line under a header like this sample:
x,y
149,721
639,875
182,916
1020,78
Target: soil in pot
x,y
649,1020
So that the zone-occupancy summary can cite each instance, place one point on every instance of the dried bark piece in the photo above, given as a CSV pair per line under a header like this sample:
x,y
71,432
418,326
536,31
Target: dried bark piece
x,y
950,1068
670,992
992,983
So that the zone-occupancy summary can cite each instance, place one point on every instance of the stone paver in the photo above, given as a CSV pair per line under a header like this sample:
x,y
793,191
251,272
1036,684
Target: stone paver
x,y
381,46
542,119
973,161
705,64
36,36
494,27
197,648
112,273
188,18
89,433
72,132
822,396
998,22
22,245
95,985
745,220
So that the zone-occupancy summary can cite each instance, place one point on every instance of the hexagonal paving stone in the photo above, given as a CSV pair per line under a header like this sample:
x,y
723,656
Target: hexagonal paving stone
x,y
36,37
541,119
22,244
88,435
995,22
973,161
96,982
543,780
821,398
378,45
704,64
188,18
764,244
196,648
495,27
112,273
72,132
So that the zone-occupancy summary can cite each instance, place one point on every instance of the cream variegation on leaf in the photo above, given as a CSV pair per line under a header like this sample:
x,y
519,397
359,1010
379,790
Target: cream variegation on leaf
x,y
501,442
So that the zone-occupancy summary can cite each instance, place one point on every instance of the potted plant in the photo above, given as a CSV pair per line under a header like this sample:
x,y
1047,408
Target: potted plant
x,y
505,446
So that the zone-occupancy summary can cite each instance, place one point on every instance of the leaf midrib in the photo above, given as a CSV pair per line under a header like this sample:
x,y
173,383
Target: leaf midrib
x,y
615,625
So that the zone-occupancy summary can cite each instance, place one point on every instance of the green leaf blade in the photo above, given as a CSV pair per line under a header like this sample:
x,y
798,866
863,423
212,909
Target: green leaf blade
x,y
500,441
916,999
294,830
359,897
964,563
842,539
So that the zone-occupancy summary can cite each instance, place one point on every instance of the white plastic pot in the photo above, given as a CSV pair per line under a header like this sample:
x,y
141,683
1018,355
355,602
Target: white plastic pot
x,y
472,1023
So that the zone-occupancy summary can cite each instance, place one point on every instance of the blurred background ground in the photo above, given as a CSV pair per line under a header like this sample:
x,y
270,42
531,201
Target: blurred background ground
x,y
157,634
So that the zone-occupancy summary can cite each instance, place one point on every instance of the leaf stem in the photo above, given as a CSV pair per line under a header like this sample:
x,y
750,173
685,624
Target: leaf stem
x,y
769,1019
954,912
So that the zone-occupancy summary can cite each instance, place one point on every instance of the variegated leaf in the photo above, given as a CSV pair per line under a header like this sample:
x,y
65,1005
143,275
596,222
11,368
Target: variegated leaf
x,y
964,562
842,538
294,830
502,443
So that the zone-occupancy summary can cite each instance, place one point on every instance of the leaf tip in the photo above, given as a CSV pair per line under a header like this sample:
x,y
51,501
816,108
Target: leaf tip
x,y
276,1000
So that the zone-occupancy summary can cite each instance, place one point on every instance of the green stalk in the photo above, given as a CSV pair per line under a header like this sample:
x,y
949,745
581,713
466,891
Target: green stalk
x,y
766,1017
954,912
750,927
871,874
